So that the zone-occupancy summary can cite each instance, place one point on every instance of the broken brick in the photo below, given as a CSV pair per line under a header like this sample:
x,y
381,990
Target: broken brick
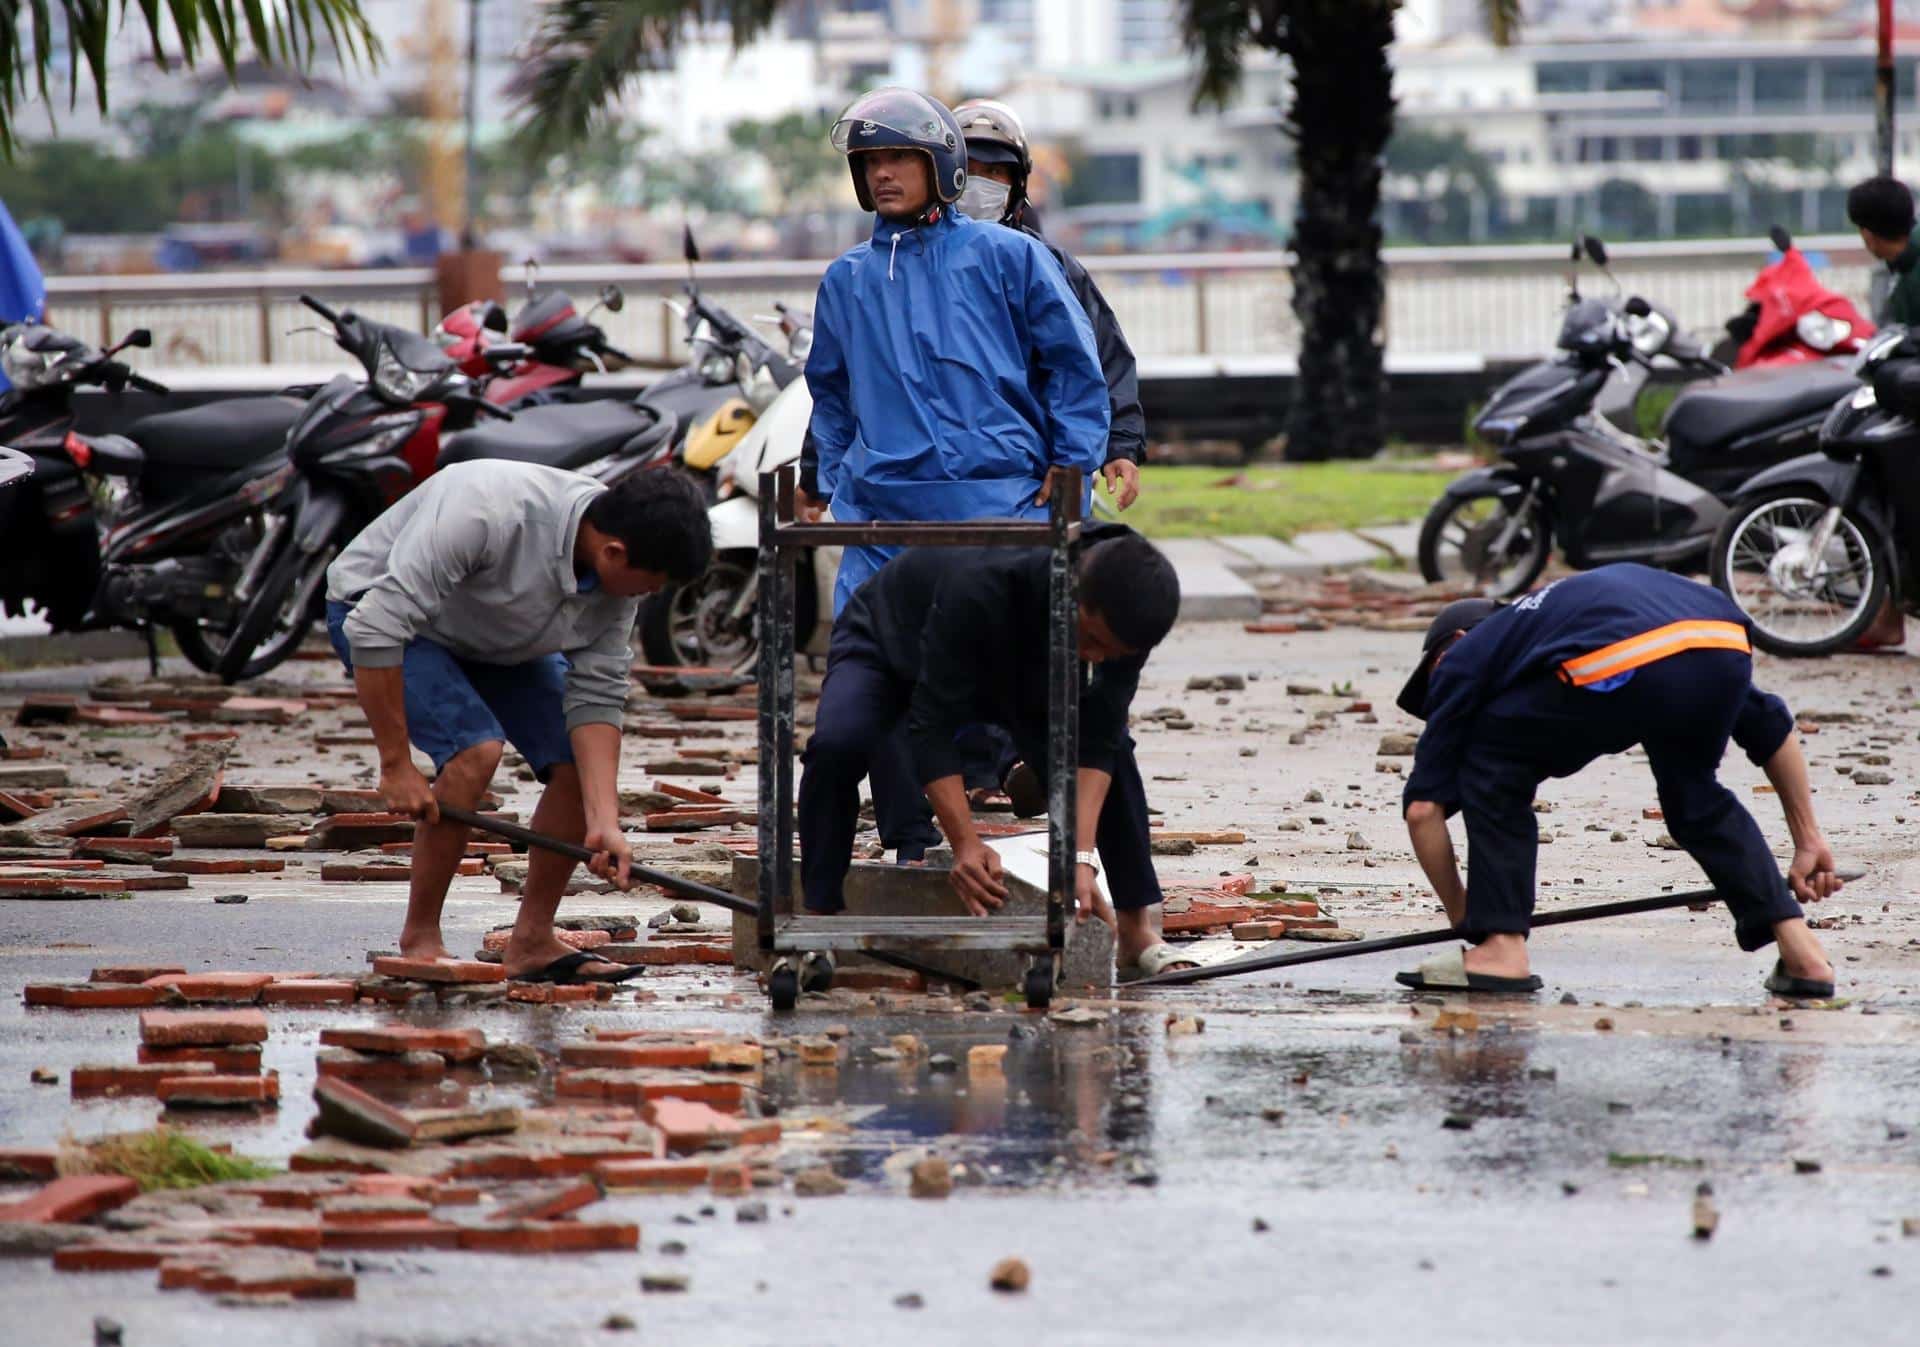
x,y
75,1198
90,995
556,994
236,1059
254,711
415,1234
539,1237
259,1274
202,1028
629,1175
220,988
347,1064
308,992
219,1091
25,1163
60,886
118,715
197,865
731,1180
550,1204
131,1255
688,1125
430,970
47,708
361,831
456,1045
497,940
664,953
350,1113
636,1087
602,1054
122,1078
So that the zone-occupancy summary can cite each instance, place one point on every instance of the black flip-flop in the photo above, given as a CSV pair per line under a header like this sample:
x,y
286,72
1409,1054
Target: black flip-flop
x,y
565,971
1448,973
1782,983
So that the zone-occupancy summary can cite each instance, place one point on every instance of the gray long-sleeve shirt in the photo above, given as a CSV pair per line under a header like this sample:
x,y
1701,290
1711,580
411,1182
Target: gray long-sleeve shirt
x,y
479,559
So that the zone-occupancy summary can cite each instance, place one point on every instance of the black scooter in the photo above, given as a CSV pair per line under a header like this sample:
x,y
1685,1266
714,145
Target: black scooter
x,y
149,528
1604,495
1817,547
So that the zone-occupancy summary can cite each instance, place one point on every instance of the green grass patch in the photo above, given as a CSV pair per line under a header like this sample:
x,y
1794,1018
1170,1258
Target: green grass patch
x,y
1281,500
1634,1160
162,1158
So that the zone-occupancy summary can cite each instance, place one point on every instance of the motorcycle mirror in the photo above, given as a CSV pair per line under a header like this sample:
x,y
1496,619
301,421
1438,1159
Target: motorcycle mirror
x,y
613,298
140,337
1595,249
688,248
1638,307
1780,238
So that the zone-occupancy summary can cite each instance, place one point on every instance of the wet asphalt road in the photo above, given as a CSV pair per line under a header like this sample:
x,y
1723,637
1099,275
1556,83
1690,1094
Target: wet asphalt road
x,y
1128,1167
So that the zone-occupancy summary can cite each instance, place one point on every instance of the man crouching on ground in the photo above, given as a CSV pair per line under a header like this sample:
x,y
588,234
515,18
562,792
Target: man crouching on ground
x,y
493,605
939,639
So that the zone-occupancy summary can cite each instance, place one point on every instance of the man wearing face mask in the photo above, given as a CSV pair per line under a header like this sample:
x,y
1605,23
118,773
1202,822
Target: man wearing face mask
x,y
952,368
999,167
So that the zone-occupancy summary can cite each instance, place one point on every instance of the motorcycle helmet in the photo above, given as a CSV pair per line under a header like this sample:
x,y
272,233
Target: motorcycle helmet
x,y
994,135
893,118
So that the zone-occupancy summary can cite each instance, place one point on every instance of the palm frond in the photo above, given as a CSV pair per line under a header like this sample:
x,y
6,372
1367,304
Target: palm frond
x,y
585,54
1503,20
1217,33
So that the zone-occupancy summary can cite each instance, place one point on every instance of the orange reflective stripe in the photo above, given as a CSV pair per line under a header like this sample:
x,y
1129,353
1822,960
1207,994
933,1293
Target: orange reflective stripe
x,y
1648,646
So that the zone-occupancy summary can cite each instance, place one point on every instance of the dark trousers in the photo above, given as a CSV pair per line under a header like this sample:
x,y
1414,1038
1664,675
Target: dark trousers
x,y
900,808
862,707
1682,710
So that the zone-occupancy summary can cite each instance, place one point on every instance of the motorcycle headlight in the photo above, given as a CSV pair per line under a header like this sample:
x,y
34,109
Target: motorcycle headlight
x,y
394,381
716,368
1821,332
1649,334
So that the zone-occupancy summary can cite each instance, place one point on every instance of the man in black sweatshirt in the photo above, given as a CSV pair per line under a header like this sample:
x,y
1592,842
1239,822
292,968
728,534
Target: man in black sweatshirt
x,y
941,639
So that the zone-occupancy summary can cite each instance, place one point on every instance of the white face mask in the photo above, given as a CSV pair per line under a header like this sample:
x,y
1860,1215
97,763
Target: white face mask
x,y
984,199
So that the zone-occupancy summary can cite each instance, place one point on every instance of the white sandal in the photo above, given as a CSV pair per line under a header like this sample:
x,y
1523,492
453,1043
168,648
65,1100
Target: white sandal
x,y
1155,959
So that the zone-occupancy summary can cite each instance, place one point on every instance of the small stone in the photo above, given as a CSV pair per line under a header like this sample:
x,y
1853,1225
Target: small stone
x,y
1179,1026
1457,1122
1883,1271
912,1300
107,1332
1313,797
687,912
659,919
1706,1216
1910,1227
941,1063
1806,1166
1260,1227
1272,1114
932,1177
618,1323
1397,745
1357,841
1603,1024
818,1182
751,1213
230,899
1872,779
651,1282
1569,999
1009,1274
44,1075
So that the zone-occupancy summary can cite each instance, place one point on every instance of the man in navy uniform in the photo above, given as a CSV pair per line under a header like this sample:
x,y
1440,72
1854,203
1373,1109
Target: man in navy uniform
x,y
1590,665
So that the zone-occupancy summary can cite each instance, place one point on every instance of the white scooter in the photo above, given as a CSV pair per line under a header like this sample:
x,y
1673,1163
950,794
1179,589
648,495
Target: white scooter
x,y
710,623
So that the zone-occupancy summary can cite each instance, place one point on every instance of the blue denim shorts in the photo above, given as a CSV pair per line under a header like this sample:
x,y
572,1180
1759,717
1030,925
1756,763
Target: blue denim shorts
x,y
453,704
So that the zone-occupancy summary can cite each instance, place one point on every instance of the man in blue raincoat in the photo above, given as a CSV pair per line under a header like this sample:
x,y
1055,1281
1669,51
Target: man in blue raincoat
x,y
952,365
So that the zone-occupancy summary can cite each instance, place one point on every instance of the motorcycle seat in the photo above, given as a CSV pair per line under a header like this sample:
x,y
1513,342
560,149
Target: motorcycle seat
x,y
221,436
1712,415
560,435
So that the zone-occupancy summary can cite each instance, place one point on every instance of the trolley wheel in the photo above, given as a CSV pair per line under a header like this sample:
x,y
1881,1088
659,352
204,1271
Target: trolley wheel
x,y
1039,986
816,971
783,986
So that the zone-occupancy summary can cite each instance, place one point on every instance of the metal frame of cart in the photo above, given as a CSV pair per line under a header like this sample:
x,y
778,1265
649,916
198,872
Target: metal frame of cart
x,y
782,932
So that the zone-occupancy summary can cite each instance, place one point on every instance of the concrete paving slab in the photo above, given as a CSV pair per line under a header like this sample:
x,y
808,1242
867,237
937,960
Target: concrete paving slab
x,y
1196,551
1403,540
1211,592
1253,553
1337,550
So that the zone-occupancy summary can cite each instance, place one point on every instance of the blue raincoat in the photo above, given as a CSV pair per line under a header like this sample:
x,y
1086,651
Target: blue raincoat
x,y
951,367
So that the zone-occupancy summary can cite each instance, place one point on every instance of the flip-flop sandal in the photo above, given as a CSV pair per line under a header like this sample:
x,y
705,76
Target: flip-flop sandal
x,y
1155,959
1448,973
565,971
1782,983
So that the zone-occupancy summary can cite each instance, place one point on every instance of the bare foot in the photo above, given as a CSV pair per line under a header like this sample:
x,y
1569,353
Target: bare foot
x,y
520,960
1800,951
427,945
1889,629
1501,956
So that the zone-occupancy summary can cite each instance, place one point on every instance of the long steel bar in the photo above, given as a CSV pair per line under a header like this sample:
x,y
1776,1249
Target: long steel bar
x,y
783,638
1063,704
768,824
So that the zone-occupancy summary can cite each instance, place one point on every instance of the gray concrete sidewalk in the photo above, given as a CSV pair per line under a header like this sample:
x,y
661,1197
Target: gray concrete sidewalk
x,y
1218,575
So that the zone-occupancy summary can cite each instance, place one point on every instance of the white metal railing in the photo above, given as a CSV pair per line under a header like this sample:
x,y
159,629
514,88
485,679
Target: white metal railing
x,y
1493,302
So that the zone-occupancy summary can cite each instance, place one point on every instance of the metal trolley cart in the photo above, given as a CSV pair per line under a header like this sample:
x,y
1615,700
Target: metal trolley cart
x,y
789,936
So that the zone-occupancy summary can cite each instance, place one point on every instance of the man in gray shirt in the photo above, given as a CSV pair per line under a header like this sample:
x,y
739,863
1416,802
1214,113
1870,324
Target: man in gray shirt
x,y
493,605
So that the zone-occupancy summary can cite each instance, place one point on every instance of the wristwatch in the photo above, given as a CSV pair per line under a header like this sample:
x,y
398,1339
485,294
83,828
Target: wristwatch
x,y
1090,859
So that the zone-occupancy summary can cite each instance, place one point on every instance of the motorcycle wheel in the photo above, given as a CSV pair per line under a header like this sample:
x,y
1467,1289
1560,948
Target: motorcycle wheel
x,y
1760,561
1458,532
266,631
684,626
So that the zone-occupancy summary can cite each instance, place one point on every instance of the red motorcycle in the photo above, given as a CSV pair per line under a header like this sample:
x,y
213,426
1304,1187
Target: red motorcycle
x,y
1792,317
562,344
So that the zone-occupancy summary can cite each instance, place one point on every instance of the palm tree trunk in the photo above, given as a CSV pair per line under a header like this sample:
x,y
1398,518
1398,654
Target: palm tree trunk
x,y
1341,117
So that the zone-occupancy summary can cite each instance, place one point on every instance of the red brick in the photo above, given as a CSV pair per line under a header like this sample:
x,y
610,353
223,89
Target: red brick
x,y
135,972
228,1061
879,980
309,992
89,995
196,865
219,1091
131,1254
1206,917
731,1180
349,1112
688,1125
218,988
357,832
254,711
497,940
456,1045
251,1273
538,1237
392,1185
550,1204
60,864
47,708
559,994
60,886
202,1028
346,1064
153,883
208,736
1288,908
123,848
639,1086
78,1197
417,1234
601,1054
118,715
474,848
125,1078
374,1208
429,970
691,794
28,1162
665,953
624,1174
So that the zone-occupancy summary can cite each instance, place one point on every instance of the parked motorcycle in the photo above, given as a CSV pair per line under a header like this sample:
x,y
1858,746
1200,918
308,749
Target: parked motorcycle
x,y
1815,548
711,623
1606,495
361,444
1792,318
561,345
15,468
153,527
